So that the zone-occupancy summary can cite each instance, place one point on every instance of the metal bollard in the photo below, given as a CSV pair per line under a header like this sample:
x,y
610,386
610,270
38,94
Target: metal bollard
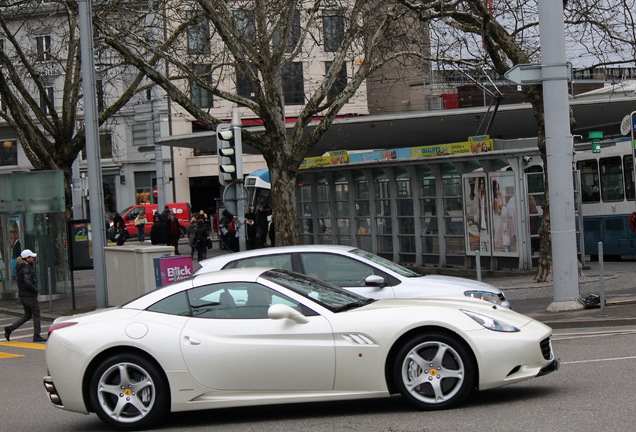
x,y
478,265
601,278
48,270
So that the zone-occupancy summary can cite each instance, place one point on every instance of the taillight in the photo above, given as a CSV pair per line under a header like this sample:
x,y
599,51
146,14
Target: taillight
x,y
61,325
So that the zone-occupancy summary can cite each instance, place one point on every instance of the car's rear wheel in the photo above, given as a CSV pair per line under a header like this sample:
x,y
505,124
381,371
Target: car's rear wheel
x,y
434,371
128,392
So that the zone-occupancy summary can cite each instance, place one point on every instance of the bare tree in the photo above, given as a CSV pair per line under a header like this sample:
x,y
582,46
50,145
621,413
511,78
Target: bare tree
x,y
40,82
503,33
251,55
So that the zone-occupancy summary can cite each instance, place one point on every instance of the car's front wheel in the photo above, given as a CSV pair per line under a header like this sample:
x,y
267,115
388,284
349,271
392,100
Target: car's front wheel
x,y
128,392
434,371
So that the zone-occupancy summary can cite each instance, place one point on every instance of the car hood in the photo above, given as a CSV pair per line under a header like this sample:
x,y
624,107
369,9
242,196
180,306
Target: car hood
x,y
442,282
454,303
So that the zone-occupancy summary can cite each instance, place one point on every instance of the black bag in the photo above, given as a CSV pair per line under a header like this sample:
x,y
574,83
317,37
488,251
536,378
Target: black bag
x,y
208,243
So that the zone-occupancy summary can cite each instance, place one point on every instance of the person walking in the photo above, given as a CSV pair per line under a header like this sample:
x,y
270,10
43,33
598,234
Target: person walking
x,y
201,234
28,296
192,228
159,231
140,223
174,231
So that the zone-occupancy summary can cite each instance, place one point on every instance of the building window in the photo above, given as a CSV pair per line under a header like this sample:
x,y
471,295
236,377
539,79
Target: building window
x,y
245,24
333,29
99,84
198,35
105,145
340,83
8,152
46,101
200,94
43,47
243,83
293,84
294,35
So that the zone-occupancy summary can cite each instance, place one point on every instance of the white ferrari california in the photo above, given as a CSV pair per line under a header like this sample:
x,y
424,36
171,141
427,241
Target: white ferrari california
x,y
248,337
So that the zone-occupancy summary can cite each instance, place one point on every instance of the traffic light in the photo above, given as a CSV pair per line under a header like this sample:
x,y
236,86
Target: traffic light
x,y
596,138
228,153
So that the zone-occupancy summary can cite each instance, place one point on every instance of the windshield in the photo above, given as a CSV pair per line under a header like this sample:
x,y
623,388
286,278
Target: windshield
x,y
402,271
329,296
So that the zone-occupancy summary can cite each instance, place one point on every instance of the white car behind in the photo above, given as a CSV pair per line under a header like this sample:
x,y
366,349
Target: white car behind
x,y
356,270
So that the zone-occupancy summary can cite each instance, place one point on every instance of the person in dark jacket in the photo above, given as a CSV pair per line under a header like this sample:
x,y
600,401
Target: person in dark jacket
x,y
159,231
174,231
201,234
28,295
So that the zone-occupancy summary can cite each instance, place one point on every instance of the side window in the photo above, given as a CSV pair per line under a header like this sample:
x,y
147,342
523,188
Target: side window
x,y
336,269
590,191
176,304
237,300
282,261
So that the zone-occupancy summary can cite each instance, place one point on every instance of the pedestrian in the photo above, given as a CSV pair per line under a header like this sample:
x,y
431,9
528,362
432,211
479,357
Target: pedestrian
x,y
260,220
192,234
224,224
140,223
201,236
272,232
28,296
159,231
118,220
174,231
250,228
166,213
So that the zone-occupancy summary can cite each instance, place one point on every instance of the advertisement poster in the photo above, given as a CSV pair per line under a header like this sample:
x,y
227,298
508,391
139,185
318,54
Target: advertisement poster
x,y
477,210
171,269
81,250
504,213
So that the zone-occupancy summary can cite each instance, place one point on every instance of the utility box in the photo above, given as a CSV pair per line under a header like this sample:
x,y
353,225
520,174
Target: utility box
x,y
130,270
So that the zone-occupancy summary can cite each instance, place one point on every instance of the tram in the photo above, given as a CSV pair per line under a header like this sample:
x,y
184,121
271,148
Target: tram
x,y
607,198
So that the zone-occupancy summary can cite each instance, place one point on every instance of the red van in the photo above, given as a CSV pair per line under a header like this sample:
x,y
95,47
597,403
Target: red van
x,y
182,211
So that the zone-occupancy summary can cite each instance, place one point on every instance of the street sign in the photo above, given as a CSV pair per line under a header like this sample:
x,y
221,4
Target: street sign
x,y
525,74
529,74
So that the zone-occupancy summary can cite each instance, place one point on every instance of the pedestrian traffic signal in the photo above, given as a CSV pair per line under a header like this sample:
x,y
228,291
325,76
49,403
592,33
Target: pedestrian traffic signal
x,y
226,153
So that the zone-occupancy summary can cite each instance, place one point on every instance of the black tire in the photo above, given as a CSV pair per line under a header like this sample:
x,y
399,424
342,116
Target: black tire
x,y
143,391
434,371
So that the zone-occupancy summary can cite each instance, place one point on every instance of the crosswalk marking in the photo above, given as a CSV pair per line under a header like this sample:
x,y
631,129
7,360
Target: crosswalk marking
x,y
28,345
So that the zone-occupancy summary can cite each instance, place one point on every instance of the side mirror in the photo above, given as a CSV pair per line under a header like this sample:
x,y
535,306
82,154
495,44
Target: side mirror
x,y
281,311
374,280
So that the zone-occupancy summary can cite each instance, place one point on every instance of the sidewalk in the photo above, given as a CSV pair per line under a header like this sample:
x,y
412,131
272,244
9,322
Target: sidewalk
x,y
526,297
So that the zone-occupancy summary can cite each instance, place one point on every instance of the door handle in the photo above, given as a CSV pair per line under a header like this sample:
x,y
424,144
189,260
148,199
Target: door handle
x,y
193,341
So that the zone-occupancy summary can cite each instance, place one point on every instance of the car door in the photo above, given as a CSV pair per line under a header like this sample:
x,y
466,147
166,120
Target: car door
x,y
345,272
231,344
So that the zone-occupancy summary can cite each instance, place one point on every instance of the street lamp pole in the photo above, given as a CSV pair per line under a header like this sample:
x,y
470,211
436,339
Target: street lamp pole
x,y
93,157
554,76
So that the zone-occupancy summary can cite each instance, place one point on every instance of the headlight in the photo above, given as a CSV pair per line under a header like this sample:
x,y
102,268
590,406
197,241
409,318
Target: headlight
x,y
484,295
491,323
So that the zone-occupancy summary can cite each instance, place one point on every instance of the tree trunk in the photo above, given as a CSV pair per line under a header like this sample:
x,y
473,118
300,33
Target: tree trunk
x,y
285,219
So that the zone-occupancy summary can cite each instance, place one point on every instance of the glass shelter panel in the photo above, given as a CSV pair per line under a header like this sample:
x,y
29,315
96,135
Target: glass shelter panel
x,y
453,214
383,223
362,211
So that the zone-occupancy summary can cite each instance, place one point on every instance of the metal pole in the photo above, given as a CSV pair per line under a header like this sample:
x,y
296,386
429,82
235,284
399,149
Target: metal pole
x,y
601,277
554,75
48,272
93,157
238,185
478,265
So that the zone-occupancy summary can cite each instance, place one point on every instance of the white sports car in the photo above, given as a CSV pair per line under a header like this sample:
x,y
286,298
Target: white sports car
x,y
356,270
249,337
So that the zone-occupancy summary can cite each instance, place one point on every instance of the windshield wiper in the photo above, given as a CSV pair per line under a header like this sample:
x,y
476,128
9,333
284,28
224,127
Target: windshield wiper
x,y
354,305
